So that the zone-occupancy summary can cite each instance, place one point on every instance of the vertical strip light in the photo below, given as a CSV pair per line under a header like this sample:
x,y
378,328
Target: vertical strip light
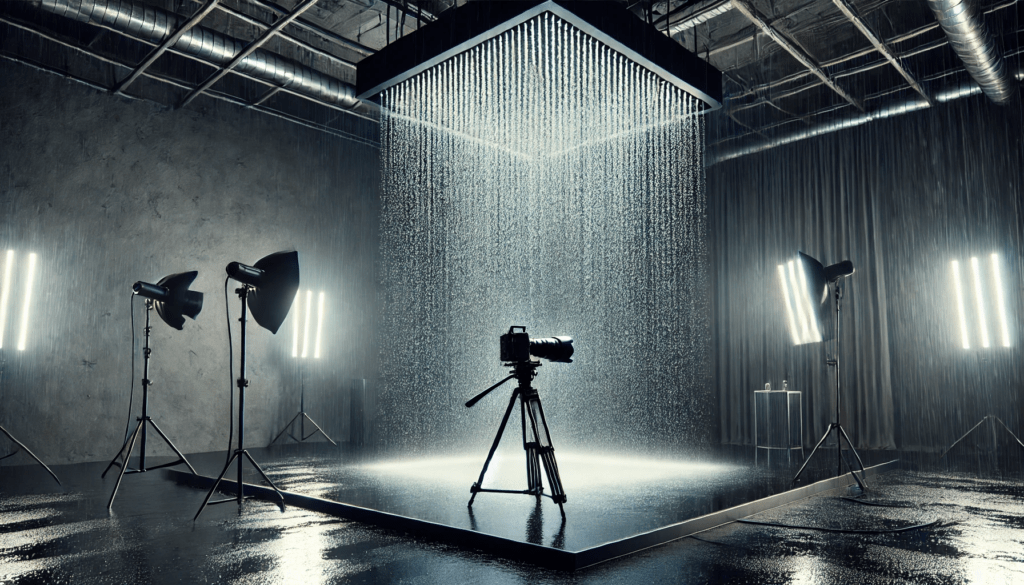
x,y
319,324
1000,300
28,301
798,298
305,330
295,324
789,306
960,303
976,269
813,333
5,294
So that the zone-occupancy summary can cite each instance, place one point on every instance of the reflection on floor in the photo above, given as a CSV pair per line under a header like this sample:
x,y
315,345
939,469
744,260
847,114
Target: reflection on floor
x,y
50,534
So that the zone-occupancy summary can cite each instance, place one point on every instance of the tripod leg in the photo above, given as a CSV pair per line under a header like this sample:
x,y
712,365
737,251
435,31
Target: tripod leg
x,y
1015,438
533,483
963,437
286,427
813,451
40,461
124,466
209,494
173,448
318,430
494,446
860,480
546,450
265,478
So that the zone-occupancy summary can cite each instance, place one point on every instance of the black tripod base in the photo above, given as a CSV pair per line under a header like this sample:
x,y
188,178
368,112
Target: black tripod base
x,y
21,446
238,454
140,430
840,436
990,418
302,417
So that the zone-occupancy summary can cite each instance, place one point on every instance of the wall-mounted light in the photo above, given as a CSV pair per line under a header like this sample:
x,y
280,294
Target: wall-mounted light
x,y
302,322
5,293
996,299
5,297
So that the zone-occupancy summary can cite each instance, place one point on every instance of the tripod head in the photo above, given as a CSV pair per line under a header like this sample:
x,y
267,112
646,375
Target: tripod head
x,y
523,372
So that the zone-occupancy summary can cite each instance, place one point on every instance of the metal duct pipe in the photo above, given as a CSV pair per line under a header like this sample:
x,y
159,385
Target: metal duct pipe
x,y
969,37
147,23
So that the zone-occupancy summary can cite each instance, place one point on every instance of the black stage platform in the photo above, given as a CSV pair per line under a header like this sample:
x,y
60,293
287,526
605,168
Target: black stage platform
x,y
617,504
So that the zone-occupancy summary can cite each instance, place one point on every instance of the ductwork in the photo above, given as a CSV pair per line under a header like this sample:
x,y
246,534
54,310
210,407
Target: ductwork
x,y
969,37
147,23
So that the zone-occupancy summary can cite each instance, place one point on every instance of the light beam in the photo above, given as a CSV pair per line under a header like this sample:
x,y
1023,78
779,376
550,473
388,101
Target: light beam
x,y
28,301
980,301
960,303
789,307
1000,301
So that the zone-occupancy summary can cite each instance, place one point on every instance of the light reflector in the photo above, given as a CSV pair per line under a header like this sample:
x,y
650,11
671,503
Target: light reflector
x,y
791,319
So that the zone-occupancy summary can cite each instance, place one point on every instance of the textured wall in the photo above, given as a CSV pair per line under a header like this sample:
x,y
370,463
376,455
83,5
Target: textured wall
x,y
108,191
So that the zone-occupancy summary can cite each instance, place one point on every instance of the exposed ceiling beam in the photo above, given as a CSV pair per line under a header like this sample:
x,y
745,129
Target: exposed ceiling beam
x,y
259,42
168,42
797,53
851,13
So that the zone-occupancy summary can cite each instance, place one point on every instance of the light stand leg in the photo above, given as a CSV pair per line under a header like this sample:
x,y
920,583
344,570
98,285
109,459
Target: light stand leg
x,y
173,448
860,480
989,417
30,454
286,428
318,430
476,487
124,465
220,477
813,451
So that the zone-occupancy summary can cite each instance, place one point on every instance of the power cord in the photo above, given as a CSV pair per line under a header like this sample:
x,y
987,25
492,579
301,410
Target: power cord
x,y
845,531
231,373
131,391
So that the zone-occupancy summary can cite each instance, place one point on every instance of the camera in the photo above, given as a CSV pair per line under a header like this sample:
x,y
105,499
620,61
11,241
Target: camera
x,y
516,346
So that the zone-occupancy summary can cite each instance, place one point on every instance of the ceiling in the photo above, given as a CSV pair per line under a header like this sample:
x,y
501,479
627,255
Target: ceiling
x,y
788,65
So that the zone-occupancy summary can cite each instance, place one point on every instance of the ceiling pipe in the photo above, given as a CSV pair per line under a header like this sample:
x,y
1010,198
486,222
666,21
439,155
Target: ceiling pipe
x,y
151,24
970,39
722,153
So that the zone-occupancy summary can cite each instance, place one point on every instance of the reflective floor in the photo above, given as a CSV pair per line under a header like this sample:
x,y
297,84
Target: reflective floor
x,y
51,534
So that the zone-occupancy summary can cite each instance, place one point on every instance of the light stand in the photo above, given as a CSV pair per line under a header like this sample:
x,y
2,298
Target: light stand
x,y
21,446
140,429
268,289
302,417
538,447
993,419
837,425
240,453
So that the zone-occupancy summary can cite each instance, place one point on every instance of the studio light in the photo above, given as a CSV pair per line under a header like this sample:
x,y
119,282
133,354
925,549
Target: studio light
x,y
173,300
812,290
984,297
306,311
5,295
273,282
268,289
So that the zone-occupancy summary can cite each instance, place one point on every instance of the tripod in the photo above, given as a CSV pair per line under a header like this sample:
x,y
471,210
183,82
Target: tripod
x,y
302,417
240,453
140,429
992,419
536,439
837,426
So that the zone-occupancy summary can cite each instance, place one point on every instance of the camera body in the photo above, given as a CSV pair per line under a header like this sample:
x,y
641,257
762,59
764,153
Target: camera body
x,y
516,346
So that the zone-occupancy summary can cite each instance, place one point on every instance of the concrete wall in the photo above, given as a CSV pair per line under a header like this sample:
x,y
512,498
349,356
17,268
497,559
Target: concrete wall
x,y
108,191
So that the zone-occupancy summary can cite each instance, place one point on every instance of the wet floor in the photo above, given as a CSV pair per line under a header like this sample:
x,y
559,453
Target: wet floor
x,y
50,534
